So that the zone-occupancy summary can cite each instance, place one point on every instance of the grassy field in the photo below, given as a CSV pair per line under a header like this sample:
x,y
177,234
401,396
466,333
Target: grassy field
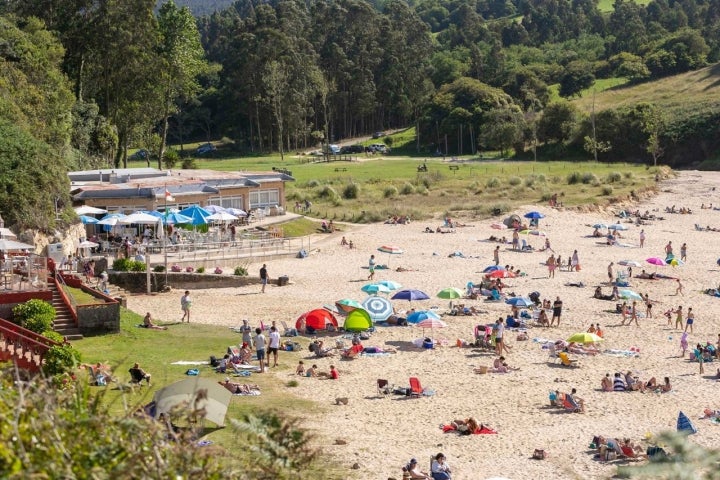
x,y
607,6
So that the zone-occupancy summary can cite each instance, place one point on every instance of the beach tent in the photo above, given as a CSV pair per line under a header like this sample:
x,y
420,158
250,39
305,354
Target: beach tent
x,y
684,424
317,319
511,220
358,321
194,394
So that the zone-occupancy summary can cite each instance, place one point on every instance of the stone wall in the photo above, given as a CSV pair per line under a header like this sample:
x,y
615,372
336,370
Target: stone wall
x,y
137,281
100,318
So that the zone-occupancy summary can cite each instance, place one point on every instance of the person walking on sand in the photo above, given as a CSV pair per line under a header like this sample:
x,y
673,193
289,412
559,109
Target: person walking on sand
x,y
683,252
515,240
679,289
610,271
557,311
633,314
185,304
648,306
642,238
496,255
260,348
551,265
575,262
371,266
689,320
263,277
274,345
668,249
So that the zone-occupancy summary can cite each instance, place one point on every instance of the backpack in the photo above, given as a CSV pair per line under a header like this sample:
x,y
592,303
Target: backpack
x,y
214,362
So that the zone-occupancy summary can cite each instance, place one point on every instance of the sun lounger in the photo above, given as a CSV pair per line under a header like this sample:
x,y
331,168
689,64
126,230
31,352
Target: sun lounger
x,y
566,360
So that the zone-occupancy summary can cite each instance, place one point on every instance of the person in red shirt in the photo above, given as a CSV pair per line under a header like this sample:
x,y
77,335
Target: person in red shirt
x,y
334,373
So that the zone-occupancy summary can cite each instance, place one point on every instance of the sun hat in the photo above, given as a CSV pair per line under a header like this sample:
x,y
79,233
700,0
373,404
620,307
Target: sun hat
x,y
413,460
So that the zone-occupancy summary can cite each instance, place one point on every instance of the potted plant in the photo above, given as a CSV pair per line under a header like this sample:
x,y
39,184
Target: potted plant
x,y
189,269
218,270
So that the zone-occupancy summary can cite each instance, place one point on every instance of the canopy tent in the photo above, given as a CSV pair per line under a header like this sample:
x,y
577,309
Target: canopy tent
x,y
194,394
358,321
317,319
7,233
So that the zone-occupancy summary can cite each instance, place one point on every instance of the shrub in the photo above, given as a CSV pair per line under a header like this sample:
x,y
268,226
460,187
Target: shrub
x,y
136,266
407,189
327,192
53,335
589,178
390,192
171,158
121,264
545,197
292,383
493,182
423,191
159,268
313,183
351,191
514,181
200,270
35,315
629,175
614,177
574,178
607,190
426,182
61,359
240,271
189,163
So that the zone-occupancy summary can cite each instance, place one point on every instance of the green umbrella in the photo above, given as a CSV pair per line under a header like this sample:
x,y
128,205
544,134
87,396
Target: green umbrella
x,y
584,337
347,305
450,293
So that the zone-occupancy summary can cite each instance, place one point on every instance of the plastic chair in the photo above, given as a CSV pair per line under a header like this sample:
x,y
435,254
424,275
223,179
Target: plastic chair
x,y
416,389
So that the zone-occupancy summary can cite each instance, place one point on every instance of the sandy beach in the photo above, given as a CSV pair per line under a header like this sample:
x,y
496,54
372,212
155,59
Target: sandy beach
x,y
383,432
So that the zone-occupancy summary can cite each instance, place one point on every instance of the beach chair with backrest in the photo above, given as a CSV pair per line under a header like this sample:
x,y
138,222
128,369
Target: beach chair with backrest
x,y
570,405
287,331
566,361
416,389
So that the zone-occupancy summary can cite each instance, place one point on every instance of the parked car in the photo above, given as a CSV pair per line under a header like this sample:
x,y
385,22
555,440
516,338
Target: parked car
x,y
378,148
378,134
352,149
205,148
141,154
332,149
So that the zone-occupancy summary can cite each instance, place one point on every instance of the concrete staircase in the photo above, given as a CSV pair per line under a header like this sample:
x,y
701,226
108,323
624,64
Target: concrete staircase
x,y
64,322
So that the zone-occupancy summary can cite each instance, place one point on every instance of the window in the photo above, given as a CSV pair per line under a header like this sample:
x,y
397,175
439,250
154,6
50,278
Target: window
x,y
228,202
264,198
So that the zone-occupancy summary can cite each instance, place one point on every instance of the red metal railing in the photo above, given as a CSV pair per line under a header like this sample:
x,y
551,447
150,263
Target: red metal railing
x,y
22,346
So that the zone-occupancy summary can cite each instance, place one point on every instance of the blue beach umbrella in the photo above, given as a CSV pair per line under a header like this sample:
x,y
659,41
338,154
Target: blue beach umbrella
x,y
197,214
88,220
534,215
379,308
410,295
521,302
391,285
375,288
420,315
492,268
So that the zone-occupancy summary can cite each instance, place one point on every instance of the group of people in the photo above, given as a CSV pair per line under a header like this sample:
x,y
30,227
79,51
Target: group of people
x,y
439,469
630,382
313,372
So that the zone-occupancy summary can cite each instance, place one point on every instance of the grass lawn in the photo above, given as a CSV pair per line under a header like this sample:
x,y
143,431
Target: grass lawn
x,y
81,297
155,350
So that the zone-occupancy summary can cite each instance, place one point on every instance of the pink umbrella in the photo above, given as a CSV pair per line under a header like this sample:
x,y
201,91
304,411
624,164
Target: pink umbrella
x,y
431,323
656,261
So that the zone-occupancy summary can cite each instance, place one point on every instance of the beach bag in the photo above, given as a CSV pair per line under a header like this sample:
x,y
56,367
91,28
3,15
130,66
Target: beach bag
x,y
214,361
100,380
193,372
539,454
302,254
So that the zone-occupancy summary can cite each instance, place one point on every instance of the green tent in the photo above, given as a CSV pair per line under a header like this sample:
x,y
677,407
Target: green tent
x,y
357,321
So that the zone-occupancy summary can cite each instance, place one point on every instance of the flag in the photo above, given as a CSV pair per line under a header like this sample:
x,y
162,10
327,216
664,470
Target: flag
x,y
168,197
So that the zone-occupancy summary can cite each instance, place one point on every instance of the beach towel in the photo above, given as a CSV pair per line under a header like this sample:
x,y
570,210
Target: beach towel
x,y
251,393
185,362
621,353
483,430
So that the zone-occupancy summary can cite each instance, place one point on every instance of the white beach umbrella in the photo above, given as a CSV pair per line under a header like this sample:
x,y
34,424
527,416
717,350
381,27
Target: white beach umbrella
x,y
139,218
222,217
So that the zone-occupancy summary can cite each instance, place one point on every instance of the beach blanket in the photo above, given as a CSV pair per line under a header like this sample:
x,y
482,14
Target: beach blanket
x,y
483,430
246,367
185,362
250,393
621,353
377,354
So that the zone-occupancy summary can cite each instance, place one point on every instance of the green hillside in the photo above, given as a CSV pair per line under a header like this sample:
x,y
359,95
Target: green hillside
x,y
675,94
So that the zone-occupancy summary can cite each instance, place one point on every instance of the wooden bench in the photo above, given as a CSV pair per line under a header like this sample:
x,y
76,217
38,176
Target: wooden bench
x,y
340,169
454,167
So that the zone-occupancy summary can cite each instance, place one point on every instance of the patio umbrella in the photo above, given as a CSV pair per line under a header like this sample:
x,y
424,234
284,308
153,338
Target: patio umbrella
x,y
617,226
379,308
175,218
375,288
6,233
194,394
658,262
111,219
410,295
629,263
629,294
521,302
7,245
584,337
493,268
140,218
88,210
390,284
450,293
534,215
88,220
197,214
420,315
214,208
431,323
236,211
600,226
390,250
347,305
87,244
222,217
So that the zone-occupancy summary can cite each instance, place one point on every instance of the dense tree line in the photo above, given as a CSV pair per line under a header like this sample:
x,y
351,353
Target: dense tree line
x,y
283,75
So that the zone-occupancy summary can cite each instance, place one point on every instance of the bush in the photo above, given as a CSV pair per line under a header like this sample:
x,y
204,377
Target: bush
x,y
351,191
200,270
240,271
407,189
159,268
189,163
61,359
292,383
53,335
614,177
574,178
629,175
171,158
327,192
493,182
590,178
390,192
121,264
313,183
607,190
514,181
35,315
423,191
136,266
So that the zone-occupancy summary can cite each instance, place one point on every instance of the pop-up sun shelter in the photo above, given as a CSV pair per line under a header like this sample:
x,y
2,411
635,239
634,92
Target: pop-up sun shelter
x,y
358,321
317,319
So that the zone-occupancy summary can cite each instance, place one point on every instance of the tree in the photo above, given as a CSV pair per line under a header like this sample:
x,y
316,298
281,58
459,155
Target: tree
x,y
558,122
183,61
502,128
576,78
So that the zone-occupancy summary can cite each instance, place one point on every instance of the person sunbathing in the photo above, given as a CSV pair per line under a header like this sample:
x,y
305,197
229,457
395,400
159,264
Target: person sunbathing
x,y
148,323
588,349
238,388
319,350
467,426
633,383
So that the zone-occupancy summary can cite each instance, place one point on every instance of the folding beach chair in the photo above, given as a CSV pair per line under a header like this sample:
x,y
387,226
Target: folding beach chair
x,y
416,389
287,331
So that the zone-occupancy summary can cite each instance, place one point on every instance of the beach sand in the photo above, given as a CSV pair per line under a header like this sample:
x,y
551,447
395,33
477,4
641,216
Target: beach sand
x,y
382,434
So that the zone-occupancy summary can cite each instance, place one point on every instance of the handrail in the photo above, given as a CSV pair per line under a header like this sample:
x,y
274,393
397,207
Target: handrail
x,y
8,326
25,341
67,297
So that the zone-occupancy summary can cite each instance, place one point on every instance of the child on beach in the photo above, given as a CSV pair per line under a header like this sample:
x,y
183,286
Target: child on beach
x,y
684,343
300,370
678,318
